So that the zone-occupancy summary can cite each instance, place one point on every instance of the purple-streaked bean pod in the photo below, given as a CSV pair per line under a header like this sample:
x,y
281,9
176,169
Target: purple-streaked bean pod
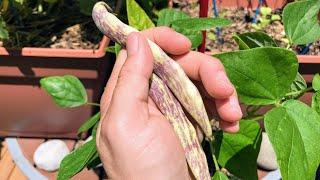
x,y
172,110
166,68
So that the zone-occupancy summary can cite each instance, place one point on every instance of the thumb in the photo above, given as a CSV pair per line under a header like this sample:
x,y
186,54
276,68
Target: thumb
x,y
133,82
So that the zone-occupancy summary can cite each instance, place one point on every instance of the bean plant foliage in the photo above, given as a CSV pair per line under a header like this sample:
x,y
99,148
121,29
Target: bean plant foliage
x,y
263,75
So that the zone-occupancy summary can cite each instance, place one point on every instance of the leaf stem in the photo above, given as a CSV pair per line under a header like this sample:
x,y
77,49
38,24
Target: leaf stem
x,y
255,118
216,165
298,92
92,104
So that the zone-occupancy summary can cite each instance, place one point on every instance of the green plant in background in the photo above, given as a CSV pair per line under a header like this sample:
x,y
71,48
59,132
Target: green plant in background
x,y
263,75
266,18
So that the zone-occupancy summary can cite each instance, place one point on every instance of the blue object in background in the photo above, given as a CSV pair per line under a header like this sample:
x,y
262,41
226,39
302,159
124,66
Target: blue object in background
x,y
305,50
254,20
216,14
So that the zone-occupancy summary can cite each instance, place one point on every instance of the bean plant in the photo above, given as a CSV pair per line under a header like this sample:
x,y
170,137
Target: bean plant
x,y
264,75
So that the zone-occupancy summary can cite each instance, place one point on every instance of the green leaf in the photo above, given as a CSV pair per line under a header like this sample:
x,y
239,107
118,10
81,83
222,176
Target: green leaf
x,y
275,17
114,49
294,131
298,84
219,176
253,40
194,36
86,6
94,130
261,75
316,82
66,91
137,17
94,161
89,123
300,21
77,160
238,152
166,16
51,1
265,11
198,24
117,48
315,104
4,34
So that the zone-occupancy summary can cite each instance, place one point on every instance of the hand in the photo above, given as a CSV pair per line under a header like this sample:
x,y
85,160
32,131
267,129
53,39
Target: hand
x,y
134,139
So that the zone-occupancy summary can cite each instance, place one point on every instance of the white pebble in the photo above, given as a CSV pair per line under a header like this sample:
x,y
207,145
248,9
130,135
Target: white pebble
x,y
267,158
49,155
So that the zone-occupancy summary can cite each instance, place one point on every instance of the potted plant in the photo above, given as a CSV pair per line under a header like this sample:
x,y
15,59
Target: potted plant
x,y
26,110
265,76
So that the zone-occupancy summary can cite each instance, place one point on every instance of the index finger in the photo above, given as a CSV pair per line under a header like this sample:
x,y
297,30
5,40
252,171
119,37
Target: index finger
x,y
169,40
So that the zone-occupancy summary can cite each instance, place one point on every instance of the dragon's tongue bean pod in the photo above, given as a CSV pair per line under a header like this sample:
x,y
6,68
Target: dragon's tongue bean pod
x,y
186,133
166,68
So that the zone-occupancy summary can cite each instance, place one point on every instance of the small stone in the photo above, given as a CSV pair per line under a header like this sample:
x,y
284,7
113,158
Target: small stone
x,y
49,155
267,158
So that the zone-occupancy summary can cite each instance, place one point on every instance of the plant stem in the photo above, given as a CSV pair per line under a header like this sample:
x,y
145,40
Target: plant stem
x,y
299,92
216,165
93,104
288,46
256,118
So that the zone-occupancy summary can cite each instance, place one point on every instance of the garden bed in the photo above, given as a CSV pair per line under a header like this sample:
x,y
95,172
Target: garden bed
x,y
241,22
66,25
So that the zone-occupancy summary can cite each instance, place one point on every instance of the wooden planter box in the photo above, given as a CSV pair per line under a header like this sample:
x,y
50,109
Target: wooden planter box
x,y
27,110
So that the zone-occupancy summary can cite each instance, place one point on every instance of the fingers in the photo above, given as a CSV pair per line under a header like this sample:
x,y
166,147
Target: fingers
x,y
168,40
108,91
131,90
230,112
229,127
209,71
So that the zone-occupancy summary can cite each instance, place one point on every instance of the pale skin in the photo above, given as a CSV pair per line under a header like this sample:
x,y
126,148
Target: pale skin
x,y
134,140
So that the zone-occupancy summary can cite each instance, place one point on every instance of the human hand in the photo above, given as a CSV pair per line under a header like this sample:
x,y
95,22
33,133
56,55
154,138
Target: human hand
x,y
134,139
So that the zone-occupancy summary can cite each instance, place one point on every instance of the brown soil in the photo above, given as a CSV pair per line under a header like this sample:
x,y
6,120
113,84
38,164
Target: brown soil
x,y
241,19
79,36
73,38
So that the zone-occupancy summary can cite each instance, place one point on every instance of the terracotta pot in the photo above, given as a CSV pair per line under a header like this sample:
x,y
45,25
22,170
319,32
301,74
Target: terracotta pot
x,y
27,110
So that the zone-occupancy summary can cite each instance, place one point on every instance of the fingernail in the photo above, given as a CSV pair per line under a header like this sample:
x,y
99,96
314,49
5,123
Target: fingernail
x,y
235,106
133,44
224,81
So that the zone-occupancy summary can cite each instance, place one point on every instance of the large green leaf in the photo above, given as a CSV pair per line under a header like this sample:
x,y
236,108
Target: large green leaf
x,y
4,34
294,131
137,17
301,22
198,24
166,16
316,82
261,75
297,85
89,123
77,160
219,176
315,104
66,91
253,40
238,152
194,36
